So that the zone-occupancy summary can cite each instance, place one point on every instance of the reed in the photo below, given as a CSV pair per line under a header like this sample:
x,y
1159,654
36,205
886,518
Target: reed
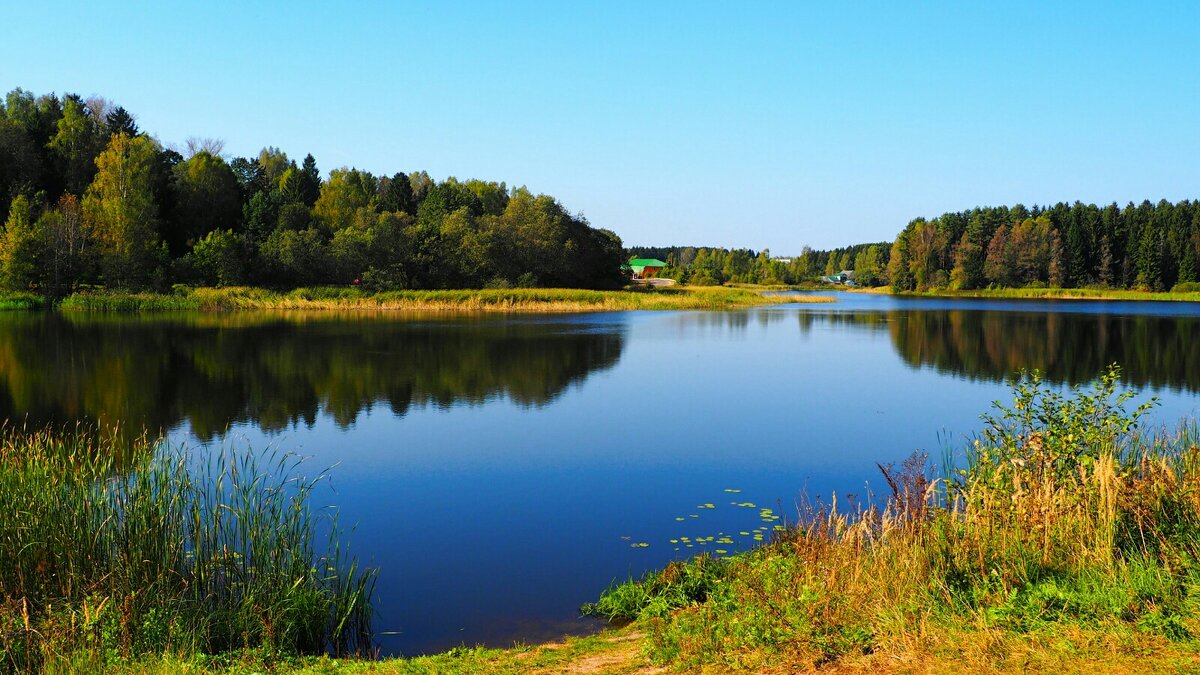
x,y
110,551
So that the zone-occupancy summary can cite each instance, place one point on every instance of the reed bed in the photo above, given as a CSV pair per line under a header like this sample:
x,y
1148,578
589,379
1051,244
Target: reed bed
x,y
110,552
528,300
1062,526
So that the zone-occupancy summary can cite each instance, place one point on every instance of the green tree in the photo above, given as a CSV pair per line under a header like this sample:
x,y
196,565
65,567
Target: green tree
x,y
868,267
260,215
68,255
295,257
21,248
309,181
119,121
221,258
207,198
346,191
273,162
898,265
1149,260
120,212
20,163
76,142
396,194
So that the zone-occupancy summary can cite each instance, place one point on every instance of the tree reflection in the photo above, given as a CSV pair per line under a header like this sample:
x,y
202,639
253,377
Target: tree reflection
x,y
1156,351
212,371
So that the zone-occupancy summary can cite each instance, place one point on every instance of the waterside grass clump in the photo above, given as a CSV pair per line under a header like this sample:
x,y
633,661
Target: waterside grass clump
x,y
469,300
16,300
1065,537
110,553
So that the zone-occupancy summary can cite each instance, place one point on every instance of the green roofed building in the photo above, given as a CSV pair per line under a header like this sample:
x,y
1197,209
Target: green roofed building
x,y
646,268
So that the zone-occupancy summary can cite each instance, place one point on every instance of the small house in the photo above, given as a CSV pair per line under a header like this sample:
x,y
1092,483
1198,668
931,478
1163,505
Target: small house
x,y
646,268
845,277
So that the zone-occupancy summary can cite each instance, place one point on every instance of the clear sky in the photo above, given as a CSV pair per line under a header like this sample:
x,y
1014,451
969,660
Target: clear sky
x,y
733,124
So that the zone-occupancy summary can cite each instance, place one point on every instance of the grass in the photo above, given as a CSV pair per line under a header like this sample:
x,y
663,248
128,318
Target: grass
x,y
1064,539
1065,294
12,300
485,300
110,553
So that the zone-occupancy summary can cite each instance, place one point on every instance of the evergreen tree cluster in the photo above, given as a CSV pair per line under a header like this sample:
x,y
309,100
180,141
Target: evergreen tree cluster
x,y
87,198
1145,246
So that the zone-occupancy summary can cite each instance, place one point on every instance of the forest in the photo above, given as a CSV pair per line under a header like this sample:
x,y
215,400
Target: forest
x,y
710,266
88,199
1147,246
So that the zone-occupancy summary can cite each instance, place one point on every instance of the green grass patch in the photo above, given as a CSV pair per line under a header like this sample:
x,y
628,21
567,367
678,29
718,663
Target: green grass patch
x,y
11,300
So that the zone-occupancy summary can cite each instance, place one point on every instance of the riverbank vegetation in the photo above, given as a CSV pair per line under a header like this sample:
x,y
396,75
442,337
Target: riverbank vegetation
x,y
711,266
113,551
88,198
1066,537
1181,293
478,300
1147,247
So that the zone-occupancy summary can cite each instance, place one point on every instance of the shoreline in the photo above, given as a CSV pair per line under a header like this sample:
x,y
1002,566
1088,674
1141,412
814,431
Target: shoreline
x,y
520,300
1093,294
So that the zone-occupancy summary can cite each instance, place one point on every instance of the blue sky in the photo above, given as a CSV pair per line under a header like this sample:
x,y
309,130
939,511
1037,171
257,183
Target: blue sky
x,y
735,124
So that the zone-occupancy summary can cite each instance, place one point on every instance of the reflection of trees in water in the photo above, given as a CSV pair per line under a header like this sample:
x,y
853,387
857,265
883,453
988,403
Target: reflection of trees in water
x,y
215,371
1159,351
1153,350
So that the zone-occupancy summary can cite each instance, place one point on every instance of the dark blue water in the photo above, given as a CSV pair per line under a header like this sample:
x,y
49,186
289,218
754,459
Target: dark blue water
x,y
501,471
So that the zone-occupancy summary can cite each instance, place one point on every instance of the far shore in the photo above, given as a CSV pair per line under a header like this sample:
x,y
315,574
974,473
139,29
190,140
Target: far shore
x,y
508,300
1038,294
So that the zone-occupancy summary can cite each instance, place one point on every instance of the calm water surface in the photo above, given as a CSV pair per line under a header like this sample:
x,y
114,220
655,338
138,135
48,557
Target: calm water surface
x,y
501,471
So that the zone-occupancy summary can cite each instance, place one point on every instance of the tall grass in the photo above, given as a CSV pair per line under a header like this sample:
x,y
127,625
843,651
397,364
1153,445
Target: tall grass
x,y
15,300
1062,519
112,552
470,300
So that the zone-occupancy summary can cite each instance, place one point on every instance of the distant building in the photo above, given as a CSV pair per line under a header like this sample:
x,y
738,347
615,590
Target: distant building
x,y
845,277
646,268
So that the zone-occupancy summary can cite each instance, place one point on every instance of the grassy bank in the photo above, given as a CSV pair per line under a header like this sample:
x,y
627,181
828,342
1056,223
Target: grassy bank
x,y
484,300
1060,294
111,554
1066,539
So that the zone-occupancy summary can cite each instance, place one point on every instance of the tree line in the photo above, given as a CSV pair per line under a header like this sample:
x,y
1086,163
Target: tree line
x,y
1144,246
709,266
88,198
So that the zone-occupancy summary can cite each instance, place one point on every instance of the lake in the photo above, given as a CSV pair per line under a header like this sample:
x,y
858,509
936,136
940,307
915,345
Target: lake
x,y
502,470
